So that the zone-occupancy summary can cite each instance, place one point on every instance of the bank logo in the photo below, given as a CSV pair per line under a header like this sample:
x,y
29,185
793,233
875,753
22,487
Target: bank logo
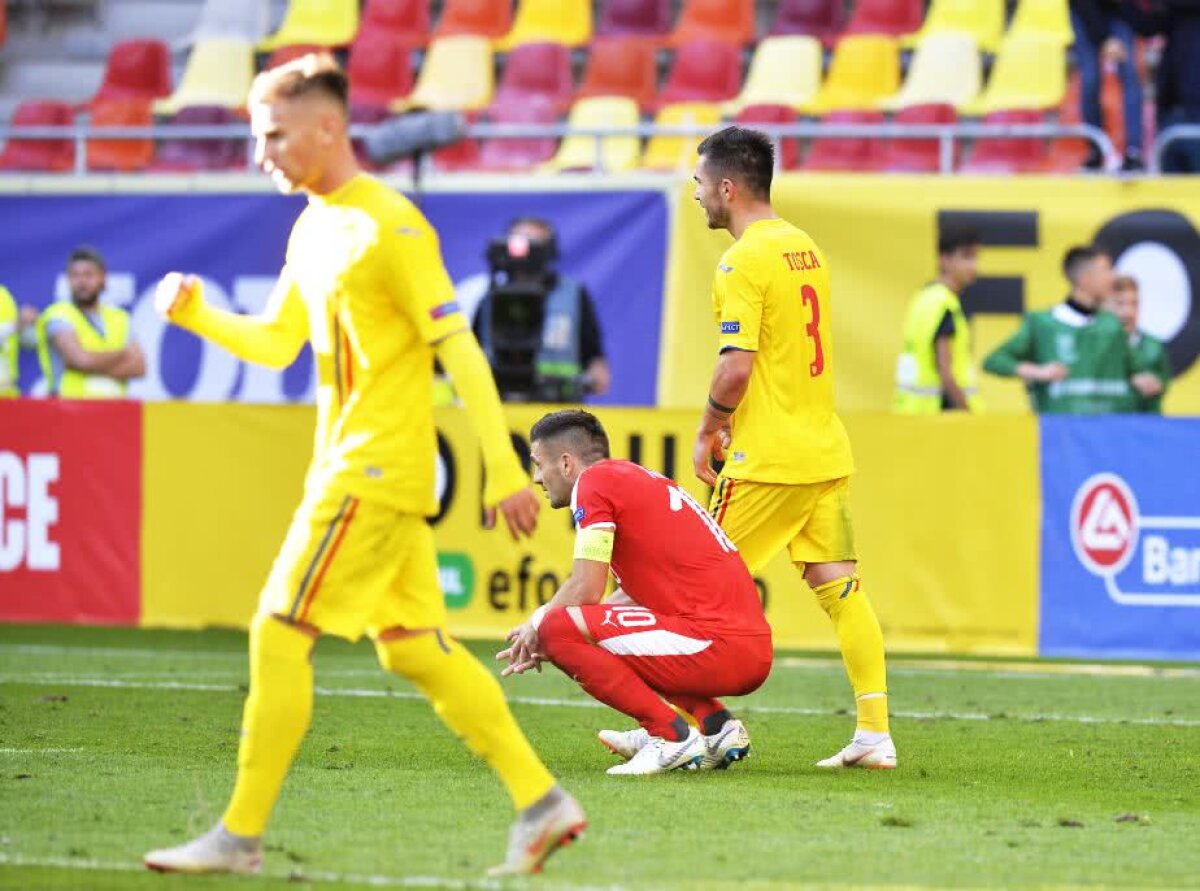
x,y
456,574
1108,531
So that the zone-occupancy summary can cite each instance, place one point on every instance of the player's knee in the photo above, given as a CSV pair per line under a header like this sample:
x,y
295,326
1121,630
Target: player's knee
x,y
411,652
272,637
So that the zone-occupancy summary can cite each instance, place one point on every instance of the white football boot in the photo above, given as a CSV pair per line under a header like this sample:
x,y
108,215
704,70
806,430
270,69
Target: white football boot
x,y
532,839
729,744
218,850
624,743
880,755
660,755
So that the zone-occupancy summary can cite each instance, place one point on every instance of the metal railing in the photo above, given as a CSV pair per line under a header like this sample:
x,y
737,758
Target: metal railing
x,y
1174,133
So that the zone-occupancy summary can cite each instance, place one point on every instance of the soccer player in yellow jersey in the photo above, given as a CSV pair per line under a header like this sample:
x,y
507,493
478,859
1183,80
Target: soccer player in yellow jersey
x,y
770,417
363,283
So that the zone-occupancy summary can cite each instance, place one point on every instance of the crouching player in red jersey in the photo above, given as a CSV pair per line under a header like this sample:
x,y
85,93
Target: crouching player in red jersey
x,y
685,625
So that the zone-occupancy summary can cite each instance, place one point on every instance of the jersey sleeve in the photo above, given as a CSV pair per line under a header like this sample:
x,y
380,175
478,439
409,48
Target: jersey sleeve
x,y
420,281
739,310
590,506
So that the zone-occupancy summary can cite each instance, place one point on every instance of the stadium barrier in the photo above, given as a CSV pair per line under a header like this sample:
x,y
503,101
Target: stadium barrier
x,y
980,535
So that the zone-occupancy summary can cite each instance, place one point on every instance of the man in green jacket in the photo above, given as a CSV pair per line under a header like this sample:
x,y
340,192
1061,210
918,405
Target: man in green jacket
x,y
16,325
1150,355
1075,358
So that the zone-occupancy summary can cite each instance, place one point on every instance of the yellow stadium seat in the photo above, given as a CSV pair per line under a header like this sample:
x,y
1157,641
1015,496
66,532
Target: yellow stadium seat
x,y
316,23
1030,72
784,71
218,72
618,153
679,152
568,22
982,19
458,73
865,70
945,70
1049,18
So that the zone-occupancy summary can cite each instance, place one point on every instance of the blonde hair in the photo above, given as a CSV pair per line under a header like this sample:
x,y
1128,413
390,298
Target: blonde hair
x,y
314,73
1125,283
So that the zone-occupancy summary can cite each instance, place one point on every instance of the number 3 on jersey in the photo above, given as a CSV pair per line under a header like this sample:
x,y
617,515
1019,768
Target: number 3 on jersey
x,y
808,295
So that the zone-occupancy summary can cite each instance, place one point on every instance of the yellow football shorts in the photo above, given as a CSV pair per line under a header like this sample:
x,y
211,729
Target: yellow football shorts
x,y
812,521
349,566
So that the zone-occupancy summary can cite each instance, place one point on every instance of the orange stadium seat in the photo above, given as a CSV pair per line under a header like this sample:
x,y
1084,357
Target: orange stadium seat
x,y
136,69
895,18
380,69
568,22
865,70
525,153
125,155
822,19
635,18
486,18
917,155
320,22
704,71
539,74
43,155
621,67
846,153
789,146
1008,155
187,155
403,20
730,20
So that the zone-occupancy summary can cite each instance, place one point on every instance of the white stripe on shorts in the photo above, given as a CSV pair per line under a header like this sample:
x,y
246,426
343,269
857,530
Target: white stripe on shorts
x,y
654,643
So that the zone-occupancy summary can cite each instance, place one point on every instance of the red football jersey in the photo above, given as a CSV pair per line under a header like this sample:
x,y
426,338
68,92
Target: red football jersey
x,y
669,555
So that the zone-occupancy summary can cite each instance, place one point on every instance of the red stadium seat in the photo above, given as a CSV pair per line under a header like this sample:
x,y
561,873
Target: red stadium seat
x,y
136,69
487,18
1002,155
125,155
917,155
43,155
524,153
187,155
789,147
728,20
380,69
635,18
847,153
290,53
704,71
405,20
892,17
462,155
822,19
621,67
537,73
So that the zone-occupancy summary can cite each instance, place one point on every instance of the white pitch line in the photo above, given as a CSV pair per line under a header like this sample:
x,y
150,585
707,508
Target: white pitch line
x,y
11,751
587,703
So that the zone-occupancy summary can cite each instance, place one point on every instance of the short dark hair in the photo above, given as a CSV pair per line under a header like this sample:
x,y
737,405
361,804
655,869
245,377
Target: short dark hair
x,y
582,430
312,73
87,253
1076,258
744,155
952,238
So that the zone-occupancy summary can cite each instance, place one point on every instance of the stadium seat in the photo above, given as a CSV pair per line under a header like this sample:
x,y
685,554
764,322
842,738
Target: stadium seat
x,y
319,22
125,155
1030,71
290,53
187,155
783,71
981,19
1008,155
621,67
457,74
1068,154
486,18
461,155
679,152
895,18
788,146
40,155
136,69
539,74
523,153
846,153
380,69
917,155
635,18
945,70
218,72
618,153
568,22
246,19
865,70
704,71
403,20
822,19
728,20
1049,18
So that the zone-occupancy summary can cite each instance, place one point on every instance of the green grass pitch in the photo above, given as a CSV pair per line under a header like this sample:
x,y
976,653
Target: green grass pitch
x,y
1011,774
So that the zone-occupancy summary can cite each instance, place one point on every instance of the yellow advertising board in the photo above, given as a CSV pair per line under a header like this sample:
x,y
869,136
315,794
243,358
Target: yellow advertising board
x,y
880,237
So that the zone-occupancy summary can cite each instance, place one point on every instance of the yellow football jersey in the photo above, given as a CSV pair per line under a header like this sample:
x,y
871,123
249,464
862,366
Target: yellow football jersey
x,y
365,269
771,295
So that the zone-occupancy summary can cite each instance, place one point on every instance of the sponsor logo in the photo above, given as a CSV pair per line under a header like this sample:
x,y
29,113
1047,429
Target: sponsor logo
x,y
577,516
1143,560
731,327
456,574
440,312
725,268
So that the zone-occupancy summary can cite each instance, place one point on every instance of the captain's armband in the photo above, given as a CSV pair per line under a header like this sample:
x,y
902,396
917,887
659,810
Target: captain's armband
x,y
593,543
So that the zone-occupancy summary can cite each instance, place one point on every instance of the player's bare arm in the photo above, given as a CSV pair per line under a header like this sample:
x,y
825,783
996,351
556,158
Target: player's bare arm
x,y
729,383
583,587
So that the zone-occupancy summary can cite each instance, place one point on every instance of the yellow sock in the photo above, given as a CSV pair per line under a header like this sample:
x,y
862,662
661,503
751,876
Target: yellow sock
x,y
276,717
469,700
861,643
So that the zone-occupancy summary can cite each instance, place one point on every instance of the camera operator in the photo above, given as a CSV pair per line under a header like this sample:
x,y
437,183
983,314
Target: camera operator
x,y
538,329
